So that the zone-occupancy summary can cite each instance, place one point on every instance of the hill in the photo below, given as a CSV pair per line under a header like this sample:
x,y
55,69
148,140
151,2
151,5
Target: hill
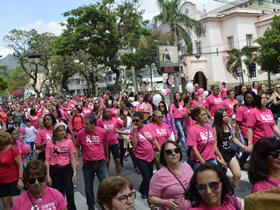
x,y
10,61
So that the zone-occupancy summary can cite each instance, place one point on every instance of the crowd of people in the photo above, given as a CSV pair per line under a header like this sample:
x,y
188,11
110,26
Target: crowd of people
x,y
181,149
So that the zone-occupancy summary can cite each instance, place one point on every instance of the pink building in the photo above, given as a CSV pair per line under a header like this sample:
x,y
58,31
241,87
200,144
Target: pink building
x,y
234,28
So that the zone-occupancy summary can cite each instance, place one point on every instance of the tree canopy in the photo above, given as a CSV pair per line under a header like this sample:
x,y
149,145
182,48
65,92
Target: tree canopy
x,y
269,57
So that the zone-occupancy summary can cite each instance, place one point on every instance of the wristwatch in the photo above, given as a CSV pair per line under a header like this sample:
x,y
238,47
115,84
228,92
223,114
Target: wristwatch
x,y
20,178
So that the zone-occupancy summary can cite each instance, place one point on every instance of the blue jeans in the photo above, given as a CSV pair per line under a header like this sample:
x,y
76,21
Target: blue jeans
x,y
89,170
146,170
245,155
196,165
180,126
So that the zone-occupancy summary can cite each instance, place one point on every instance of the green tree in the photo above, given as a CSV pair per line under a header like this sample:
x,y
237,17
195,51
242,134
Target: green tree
x,y
17,79
235,59
104,30
181,25
63,68
269,53
26,43
3,84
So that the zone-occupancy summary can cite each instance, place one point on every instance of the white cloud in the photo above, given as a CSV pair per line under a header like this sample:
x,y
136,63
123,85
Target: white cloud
x,y
4,51
41,27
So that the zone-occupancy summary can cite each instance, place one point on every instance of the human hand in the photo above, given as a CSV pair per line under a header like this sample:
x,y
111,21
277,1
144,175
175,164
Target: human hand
x,y
20,184
49,180
172,205
249,148
74,179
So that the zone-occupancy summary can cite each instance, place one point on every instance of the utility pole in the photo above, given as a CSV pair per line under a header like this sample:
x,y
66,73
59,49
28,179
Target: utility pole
x,y
135,87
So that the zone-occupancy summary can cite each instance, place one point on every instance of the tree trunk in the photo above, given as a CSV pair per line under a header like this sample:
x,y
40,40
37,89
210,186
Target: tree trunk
x,y
117,88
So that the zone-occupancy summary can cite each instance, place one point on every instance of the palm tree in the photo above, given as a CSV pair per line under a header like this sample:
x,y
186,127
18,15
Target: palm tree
x,y
236,57
180,24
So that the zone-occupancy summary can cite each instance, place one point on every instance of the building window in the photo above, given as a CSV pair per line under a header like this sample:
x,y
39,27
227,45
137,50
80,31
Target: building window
x,y
110,78
78,91
198,47
230,42
249,40
274,10
187,11
251,3
77,82
260,2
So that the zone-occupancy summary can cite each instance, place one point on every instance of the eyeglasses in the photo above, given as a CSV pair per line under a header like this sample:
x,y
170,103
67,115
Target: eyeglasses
x,y
170,151
202,188
33,180
135,120
159,117
274,154
124,198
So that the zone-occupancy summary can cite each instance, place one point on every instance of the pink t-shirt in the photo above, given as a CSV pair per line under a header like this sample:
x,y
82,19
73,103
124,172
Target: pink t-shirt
x,y
34,120
144,149
262,122
110,127
19,144
92,144
164,185
228,204
44,136
161,131
63,150
198,137
224,91
241,117
265,185
86,111
213,103
178,112
137,109
189,122
51,199
229,106
195,103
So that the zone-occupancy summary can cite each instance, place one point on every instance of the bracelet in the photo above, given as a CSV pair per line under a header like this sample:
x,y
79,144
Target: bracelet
x,y
249,142
165,202
74,174
245,148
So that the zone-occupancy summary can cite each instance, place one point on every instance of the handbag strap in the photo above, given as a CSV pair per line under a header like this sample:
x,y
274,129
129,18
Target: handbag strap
x,y
272,183
177,179
31,200
234,201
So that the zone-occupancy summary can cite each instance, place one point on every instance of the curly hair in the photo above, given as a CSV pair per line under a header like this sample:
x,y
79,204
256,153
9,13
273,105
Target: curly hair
x,y
194,197
258,167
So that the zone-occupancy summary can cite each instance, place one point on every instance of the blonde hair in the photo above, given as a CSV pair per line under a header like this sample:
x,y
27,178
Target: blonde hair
x,y
5,139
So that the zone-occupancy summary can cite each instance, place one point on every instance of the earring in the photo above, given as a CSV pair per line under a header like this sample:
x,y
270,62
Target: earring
x,y
27,185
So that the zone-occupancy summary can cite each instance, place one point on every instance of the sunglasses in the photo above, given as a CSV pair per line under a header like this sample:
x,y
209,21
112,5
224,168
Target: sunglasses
x,y
274,154
202,188
135,120
33,180
277,87
159,117
170,151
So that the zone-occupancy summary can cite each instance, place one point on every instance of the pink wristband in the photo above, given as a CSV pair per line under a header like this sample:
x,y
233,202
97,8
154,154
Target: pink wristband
x,y
245,148
249,142
165,203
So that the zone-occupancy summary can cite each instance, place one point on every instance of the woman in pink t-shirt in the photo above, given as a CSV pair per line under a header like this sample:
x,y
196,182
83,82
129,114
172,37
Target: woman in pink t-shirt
x,y
224,91
178,110
202,140
142,139
255,86
38,195
210,189
86,110
241,123
264,165
229,103
45,135
61,165
34,118
166,191
114,109
260,122
112,126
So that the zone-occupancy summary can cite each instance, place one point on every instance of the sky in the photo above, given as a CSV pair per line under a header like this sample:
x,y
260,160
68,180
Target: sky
x,y
46,15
